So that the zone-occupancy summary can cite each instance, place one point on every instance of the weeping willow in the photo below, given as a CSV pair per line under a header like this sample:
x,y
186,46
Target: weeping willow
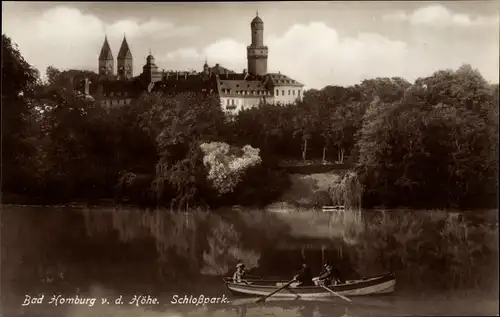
x,y
347,191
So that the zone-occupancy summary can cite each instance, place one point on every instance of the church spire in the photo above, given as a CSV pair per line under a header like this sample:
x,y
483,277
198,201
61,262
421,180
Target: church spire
x,y
106,53
124,60
124,52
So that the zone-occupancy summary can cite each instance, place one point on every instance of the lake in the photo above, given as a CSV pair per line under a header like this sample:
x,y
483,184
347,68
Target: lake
x,y
446,262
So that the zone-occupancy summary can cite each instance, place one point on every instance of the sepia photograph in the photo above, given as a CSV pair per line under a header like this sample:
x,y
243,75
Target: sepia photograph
x,y
247,159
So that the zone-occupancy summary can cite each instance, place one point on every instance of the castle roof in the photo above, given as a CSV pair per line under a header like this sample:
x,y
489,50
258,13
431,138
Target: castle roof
x,y
132,87
185,82
278,79
105,51
124,52
242,88
219,70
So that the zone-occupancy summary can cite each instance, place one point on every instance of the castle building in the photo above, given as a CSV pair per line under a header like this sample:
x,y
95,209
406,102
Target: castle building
x,y
237,91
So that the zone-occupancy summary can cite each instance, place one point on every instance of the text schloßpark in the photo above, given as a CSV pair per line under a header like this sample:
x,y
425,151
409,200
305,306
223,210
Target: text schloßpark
x,y
137,300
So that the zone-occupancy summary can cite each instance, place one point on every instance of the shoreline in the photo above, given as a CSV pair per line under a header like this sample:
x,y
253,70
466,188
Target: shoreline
x,y
273,208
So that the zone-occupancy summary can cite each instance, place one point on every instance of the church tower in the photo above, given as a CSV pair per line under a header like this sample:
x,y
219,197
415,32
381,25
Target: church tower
x,y
106,61
124,61
150,71
257,52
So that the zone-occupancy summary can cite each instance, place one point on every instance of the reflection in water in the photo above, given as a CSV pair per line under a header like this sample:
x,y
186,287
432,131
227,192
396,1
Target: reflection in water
x,y
62,250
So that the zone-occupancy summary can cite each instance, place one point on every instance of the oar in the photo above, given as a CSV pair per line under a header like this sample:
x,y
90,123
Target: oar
x,y
263,298
336,294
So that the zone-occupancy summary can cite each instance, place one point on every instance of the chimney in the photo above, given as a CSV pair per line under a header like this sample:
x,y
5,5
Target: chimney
x,y
227,74
245,74
185,75
87,86
177,75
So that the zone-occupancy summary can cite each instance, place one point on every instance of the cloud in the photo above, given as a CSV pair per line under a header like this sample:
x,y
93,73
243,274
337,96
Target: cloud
x,y
67,38
318,55
314,54
438,15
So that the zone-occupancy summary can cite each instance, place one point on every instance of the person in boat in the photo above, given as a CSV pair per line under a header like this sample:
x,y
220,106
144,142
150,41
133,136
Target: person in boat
x,y
239,274
304,277
329,276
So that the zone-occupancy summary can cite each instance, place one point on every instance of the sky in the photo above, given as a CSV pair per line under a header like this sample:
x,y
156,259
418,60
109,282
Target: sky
x,y
316,43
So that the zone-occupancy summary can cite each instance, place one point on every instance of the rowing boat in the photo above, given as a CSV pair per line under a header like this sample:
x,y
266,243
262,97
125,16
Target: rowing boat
x,y
382,284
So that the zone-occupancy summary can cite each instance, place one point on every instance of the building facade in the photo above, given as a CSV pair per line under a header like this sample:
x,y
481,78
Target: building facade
x,y
237,91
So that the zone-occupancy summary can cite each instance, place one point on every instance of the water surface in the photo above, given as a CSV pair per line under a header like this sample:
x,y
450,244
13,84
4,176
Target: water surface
x,y
446,264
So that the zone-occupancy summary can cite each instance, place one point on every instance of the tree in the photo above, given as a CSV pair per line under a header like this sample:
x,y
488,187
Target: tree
x,y
227,165
74,143
179,124
18,84
434,147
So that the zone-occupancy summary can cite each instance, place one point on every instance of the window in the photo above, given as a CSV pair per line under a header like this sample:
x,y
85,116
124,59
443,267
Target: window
x,y
282,92
118,93
298,93
228,102
125,94
111,94
277,92
104,94
232,102
293,92
289,92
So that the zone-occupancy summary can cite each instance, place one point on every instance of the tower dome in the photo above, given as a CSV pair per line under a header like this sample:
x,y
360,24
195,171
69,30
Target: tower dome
x,y
257,20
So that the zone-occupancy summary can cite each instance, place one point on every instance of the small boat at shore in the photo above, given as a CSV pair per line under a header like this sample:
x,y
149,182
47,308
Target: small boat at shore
x,y
382,284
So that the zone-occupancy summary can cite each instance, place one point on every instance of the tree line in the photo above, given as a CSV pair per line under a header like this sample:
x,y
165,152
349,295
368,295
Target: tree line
x,y
431,143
